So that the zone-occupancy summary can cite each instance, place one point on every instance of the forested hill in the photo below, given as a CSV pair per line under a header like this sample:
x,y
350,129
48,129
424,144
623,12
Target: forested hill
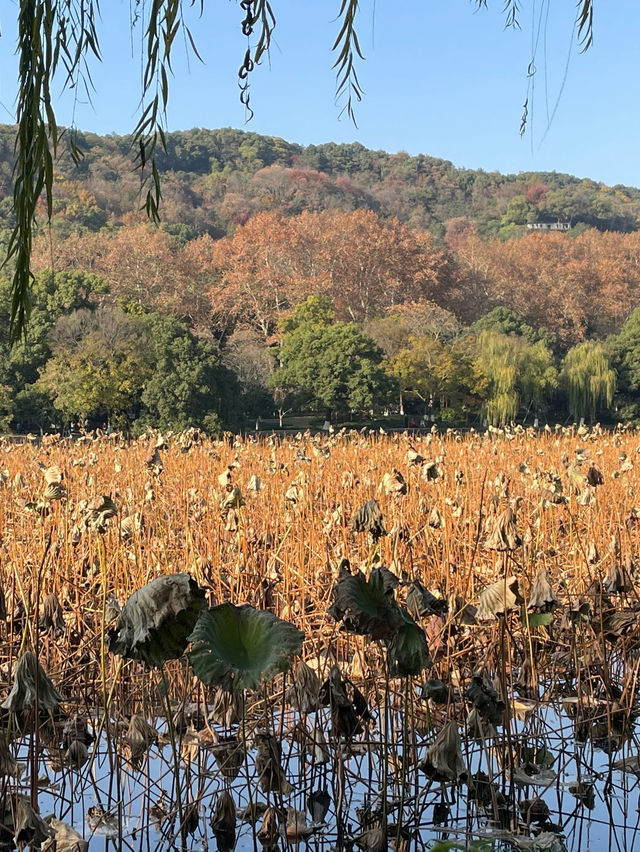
x,y
326,279
215,179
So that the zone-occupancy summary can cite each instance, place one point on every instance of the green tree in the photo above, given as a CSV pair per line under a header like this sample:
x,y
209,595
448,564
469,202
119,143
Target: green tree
x,y
54,296
332,367
624,352
505,321
314,310
437,373
588,379
99,365
188,385
6,408
519,211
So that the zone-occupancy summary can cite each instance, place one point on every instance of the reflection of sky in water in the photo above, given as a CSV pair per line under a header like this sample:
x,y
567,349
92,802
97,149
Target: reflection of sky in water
x,y
133,799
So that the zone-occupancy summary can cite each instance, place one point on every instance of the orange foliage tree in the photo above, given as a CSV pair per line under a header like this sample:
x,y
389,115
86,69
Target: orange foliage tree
x,y
364,264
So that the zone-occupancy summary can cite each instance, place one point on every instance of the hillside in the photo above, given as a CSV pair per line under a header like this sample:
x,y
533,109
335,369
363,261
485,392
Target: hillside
x,y
214,179
277,271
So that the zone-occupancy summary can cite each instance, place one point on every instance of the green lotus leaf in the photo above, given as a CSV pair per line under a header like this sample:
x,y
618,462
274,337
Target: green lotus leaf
x,y
237,647
408,652
367,607
156,621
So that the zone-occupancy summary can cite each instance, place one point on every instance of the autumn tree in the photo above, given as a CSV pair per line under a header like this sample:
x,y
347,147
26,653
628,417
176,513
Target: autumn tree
x,y
56,41
98,365
363,264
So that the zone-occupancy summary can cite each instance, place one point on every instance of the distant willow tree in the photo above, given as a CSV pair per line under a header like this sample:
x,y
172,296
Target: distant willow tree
x,y
520,375
588,379
57,39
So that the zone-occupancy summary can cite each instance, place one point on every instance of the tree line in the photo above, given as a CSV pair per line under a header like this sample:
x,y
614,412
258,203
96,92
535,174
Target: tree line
x,y
180,324
93,358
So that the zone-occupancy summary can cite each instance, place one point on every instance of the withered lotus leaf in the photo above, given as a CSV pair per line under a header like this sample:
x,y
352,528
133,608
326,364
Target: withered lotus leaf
x,y
367,606
503,534
52,615
156,621
499,598
422,603
76,755
223,822
443,759
65,838
408,652
394,483
594,476
8,766
303,694
228,754
22,696
226,707
271,777
374,839
435,690
542,598
485,700
369,519
28,826
349,708
100,511
54,491
269,832
318,804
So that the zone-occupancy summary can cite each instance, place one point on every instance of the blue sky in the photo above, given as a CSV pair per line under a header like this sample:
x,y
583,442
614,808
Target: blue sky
x,y
440,78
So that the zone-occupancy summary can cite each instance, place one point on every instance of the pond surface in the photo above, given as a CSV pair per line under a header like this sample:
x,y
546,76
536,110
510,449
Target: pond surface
x,y
560,790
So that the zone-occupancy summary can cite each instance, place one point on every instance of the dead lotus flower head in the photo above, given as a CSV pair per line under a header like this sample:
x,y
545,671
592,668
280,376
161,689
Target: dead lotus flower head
x,y
503,535
26,672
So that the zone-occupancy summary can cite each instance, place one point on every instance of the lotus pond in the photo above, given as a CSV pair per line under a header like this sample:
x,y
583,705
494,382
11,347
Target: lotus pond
x,y
343,642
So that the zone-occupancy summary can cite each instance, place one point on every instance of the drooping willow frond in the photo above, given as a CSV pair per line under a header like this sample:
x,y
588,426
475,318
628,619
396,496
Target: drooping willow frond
x,y
256,12
585,23
348,47
51,33
511,10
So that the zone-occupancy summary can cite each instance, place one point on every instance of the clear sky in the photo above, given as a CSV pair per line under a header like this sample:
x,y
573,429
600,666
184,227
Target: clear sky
x,y
440,78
